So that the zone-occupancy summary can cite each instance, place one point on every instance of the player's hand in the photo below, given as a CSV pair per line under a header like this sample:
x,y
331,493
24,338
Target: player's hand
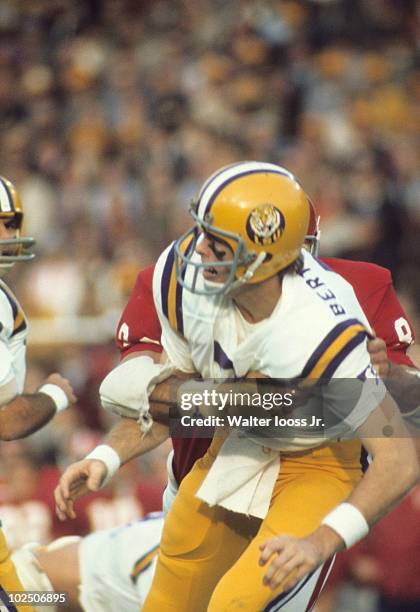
x,y
79,478
291,560
64,384
379,356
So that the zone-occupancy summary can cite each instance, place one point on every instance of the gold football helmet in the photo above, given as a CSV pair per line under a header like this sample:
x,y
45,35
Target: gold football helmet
x,y
260,211
11,213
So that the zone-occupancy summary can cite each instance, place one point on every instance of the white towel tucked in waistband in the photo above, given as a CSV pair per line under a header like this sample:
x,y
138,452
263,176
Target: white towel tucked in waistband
x,y
242,477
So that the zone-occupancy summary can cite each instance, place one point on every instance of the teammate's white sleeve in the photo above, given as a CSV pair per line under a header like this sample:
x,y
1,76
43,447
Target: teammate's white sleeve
x,y
6,364
8,382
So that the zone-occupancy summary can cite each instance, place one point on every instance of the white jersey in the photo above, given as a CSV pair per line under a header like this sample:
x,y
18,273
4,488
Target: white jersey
x,y
317,330
117,565
13,334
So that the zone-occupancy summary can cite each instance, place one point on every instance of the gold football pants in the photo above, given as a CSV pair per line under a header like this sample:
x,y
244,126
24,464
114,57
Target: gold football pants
x,y
209,556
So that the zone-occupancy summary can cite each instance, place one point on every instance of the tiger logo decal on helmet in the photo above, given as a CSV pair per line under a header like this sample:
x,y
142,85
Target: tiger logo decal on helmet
x,y
265,224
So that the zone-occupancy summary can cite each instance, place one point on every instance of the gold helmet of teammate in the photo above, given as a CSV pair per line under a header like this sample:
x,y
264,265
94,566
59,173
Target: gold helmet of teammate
x,y
260,211
15,248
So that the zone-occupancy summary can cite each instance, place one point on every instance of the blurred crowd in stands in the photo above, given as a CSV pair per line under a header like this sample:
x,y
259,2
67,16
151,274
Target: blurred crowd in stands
x,y
112,114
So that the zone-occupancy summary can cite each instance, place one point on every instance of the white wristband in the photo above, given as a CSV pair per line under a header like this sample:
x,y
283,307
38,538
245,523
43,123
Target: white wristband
x,y
57,395
109,456
348,522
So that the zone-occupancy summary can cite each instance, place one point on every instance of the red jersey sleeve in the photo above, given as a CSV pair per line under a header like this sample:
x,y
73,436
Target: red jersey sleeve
x,y
139,328
373,287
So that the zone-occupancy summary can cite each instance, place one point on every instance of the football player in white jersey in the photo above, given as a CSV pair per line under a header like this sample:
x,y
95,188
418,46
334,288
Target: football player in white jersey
x,y
20,413
230,293
108,570
179,319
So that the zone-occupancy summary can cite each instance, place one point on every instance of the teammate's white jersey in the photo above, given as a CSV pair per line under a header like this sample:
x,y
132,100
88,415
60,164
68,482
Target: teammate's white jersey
x,y
117,565
13,333
317,330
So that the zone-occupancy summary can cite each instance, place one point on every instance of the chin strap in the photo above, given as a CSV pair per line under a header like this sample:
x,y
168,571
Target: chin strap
x,y
250,271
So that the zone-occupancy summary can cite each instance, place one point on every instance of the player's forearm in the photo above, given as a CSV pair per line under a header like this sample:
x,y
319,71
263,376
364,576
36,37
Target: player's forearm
x,y
24,415
389,477
404,385
165,398
167,391
394,468
128,441
391,474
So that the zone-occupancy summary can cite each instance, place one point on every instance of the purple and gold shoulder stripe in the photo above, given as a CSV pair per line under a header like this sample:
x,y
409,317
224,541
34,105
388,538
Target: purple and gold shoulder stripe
x,y
333,350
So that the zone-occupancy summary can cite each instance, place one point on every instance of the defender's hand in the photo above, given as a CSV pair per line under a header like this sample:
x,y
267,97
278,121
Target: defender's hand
x,y
79,478
379,356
